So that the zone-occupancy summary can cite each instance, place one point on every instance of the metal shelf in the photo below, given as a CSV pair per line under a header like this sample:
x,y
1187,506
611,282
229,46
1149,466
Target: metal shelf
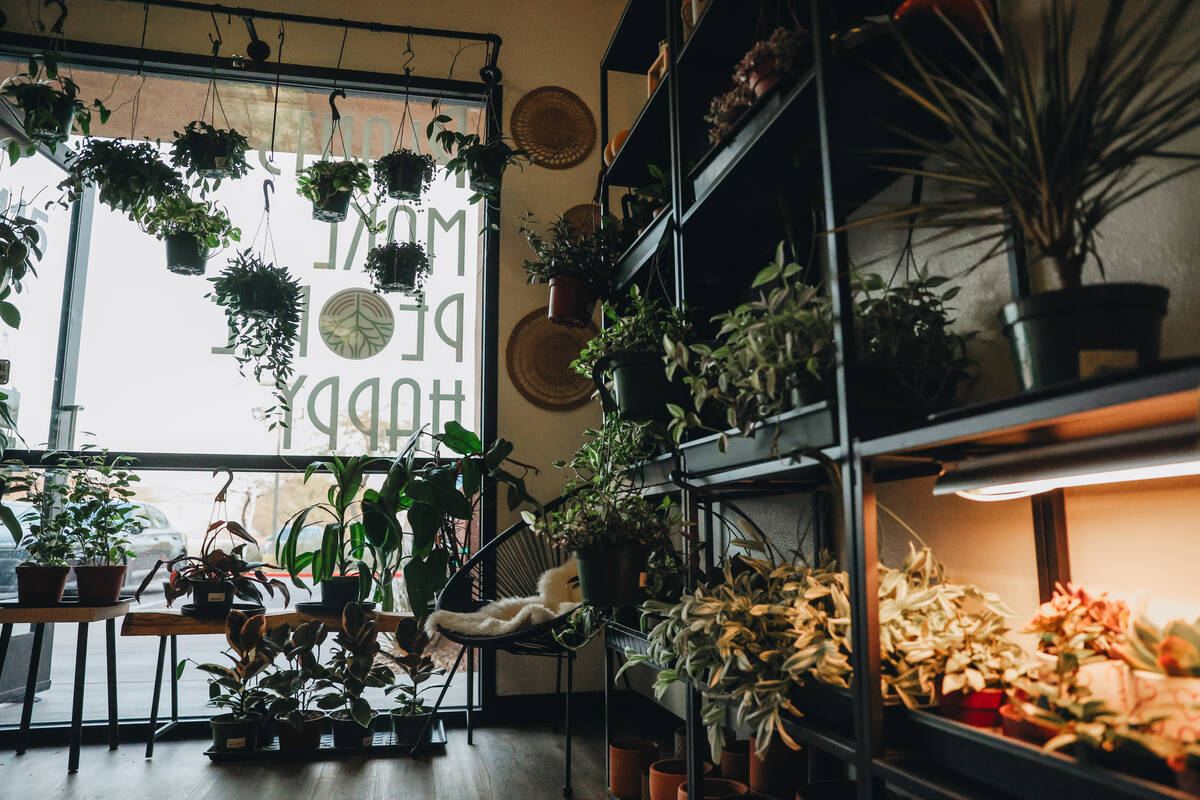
x,y
646,143
641,253
634,43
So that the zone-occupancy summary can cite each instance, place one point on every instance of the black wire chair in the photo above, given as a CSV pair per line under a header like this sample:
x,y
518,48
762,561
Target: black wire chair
x,y
510,566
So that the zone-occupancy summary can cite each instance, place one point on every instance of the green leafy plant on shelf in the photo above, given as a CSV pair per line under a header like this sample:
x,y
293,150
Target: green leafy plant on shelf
x,y
483,161
333,185
178,214
1173,649
599,515
642,205
252,652
94,509
41,532
129,176
352,668
1085,626
262,305
638,326
296,688
209,153
565,251
50,106
608,451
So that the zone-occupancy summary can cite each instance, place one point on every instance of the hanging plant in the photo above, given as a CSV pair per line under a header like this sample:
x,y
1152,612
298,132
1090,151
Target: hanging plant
x,y
725,110
130,176
783,55
332,185
189,228
484,162
399,267
262,304
404,175
49,104
208,152
19,247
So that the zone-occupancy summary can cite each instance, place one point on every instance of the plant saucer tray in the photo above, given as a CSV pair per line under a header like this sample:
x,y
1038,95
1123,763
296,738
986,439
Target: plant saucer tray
x,y
383,746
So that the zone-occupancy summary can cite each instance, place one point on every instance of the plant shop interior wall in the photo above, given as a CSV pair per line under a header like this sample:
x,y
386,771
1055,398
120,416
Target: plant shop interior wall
x,y
544,42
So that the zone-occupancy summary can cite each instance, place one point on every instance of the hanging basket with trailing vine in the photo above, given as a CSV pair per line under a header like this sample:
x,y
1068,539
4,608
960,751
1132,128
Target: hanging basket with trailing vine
x,y
404,174
209,152
129,176
399,267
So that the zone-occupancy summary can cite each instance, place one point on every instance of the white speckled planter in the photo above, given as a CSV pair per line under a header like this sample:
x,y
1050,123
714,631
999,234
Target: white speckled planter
x,y
1178,698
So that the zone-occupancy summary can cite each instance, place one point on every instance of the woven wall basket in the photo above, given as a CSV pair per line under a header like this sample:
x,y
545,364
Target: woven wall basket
x,y
539,357
554,127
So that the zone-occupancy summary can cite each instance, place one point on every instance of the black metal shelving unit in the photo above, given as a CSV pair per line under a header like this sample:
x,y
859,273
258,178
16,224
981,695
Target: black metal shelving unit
x,y
798,150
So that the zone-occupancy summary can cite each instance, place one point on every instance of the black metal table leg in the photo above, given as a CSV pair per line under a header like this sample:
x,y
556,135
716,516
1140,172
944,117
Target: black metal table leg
x,y
470,693
158,672
558,657
77,698
5,636
35,656
174,678
432,718
568,791
110,644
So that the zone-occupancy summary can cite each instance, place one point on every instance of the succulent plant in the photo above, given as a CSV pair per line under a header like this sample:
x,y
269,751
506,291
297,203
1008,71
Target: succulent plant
x,y
1073,621
1171,650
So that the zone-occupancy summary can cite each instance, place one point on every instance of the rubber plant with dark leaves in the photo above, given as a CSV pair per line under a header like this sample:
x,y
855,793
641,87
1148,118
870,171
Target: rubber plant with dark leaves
x,y
238,688
209,153
351,668
483,161
296,688
129,176
262,305
414,664
217,565
50,105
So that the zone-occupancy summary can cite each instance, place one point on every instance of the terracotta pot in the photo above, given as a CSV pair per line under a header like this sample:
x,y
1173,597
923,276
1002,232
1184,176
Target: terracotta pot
x,y
571,301
666,777
629,761
763,78
780,772
735,760
716,789
978,709
829,790
40,586
99,585
305,736
614,144
1030,730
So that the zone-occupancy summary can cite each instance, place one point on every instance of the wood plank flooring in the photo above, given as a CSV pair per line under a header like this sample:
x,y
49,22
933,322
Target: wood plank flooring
x,y
508,763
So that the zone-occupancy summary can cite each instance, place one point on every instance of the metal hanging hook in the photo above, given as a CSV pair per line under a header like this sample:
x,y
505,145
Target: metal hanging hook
x,y
57,27
408,51
220,498
268,190
336,93
216,41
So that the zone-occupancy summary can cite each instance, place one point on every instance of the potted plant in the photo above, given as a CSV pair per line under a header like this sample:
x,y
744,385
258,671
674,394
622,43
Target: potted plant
x,y
20,246
38,535
404,174
297,687
577,266
484,162
784,54
129,176
262,304
630,349
412,721
331,185
189,228
399,267
50,105
216,576
1166,674
350,670
210,153
238,688
726,109
1054,159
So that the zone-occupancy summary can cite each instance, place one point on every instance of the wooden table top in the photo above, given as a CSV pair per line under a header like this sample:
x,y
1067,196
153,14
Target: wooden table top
x,y
169,622
66,612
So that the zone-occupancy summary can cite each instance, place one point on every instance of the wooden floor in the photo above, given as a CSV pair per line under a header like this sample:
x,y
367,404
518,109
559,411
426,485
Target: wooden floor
x,y
503,764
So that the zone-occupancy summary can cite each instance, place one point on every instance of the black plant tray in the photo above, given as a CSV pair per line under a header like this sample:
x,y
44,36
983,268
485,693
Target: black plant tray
x,y
383,746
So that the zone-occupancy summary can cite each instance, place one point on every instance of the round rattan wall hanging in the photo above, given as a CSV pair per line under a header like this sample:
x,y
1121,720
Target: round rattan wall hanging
x,y
539,357
554,127
584,217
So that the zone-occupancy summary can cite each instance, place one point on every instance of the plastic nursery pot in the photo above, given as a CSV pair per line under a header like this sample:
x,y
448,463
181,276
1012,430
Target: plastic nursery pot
x,y
185,254
735,760
259,299
407,728
231,732
405,179
398,274
640,386
348,733
1030,730
212,599
332,207
609,576
668,775
304,736
829,790
336,592
40,586
266,729
212,162
99,585
780,771
571,301
978,709
488,173
716,789
57,127
629,762
1078,333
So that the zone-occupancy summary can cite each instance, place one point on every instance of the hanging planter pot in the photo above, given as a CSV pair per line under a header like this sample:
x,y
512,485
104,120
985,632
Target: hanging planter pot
x,y
1077,333
186,254
640,386
52,117
571,301
231,733
610,575
398,267
331,185
99,584
332,207
210,152
39,585
404,174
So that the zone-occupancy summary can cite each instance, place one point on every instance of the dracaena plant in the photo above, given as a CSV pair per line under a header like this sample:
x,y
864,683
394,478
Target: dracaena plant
x,y
1073,621
178,214
1053,139
50,105
130,177
252,651
262,306
748,639
352,667
415,666
637,326
206,152
296,688
1173,649
218,565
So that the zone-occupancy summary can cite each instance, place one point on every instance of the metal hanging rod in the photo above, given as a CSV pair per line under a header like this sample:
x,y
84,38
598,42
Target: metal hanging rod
x,y
490,72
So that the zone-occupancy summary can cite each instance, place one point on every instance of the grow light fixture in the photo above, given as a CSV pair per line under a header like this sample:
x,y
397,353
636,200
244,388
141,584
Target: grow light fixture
x,y
1162,452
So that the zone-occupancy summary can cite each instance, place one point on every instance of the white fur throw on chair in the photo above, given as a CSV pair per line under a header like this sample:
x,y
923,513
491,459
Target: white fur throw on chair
x,y
556,596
